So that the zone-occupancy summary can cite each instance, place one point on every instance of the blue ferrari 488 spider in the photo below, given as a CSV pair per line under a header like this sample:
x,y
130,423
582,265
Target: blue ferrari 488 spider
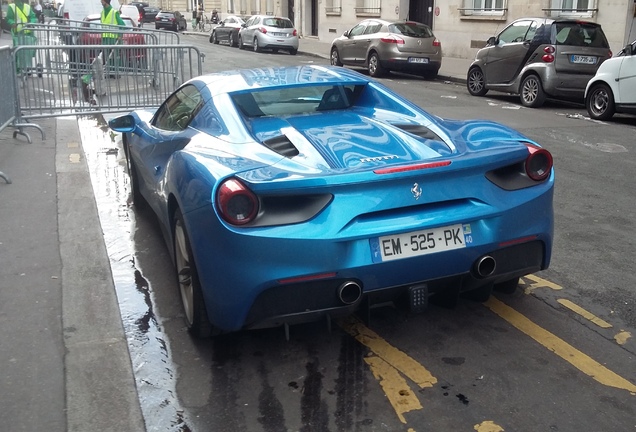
x,y
294,193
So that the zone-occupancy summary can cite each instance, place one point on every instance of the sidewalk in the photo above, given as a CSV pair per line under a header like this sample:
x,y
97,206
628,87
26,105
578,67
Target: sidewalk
x,y
63,351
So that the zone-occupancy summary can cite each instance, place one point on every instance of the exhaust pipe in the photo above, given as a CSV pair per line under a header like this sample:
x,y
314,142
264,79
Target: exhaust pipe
x,y
349,292
485,266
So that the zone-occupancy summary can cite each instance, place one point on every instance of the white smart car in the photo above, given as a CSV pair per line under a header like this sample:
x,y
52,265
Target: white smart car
x,y
613,88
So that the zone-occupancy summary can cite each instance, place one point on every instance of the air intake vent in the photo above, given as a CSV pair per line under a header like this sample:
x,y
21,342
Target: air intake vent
x,y
419,130
282,145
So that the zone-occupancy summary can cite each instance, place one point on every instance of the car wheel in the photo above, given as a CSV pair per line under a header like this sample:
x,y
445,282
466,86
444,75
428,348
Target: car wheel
x,y
507,287
215,39
137,199
374,66
531,93
196,316
275,50
240,43
600,102
335,57
230,40
255,46
293,51
476,82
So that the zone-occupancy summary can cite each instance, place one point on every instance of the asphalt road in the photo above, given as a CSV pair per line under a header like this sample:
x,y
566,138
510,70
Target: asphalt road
x,y
548,358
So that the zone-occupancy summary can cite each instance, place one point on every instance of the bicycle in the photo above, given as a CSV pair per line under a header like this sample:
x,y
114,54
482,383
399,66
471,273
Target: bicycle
x,y
204,25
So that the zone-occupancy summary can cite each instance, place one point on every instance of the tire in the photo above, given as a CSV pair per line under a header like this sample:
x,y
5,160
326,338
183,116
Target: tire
x,y
255,46
207,27
215,39
475,82
374,66
531,92
231,40
507,287
196,316
293,51
275,50
335,57
137,199
240,43
600,102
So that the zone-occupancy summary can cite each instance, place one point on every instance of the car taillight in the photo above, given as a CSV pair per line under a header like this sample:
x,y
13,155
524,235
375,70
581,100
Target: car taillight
x,y
538,163
610,54
548,57
262,30
436,43
295,33
393,39
236,203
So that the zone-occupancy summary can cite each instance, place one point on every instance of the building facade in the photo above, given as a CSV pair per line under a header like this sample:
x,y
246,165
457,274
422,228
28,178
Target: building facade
x,y
463,26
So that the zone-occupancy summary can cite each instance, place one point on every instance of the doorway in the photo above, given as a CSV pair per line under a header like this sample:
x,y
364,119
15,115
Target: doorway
x,y
421,11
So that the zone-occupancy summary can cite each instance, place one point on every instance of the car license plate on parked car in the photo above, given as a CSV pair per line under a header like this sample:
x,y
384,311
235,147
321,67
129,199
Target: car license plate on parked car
x,y
421,242
583,59
418,60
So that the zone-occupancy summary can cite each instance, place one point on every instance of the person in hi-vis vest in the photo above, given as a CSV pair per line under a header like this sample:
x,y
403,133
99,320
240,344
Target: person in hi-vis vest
x,y
18,14
111,17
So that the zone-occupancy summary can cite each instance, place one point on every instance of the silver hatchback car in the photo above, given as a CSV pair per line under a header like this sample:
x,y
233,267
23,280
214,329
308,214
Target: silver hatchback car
x,y
268,32
539,58
382,46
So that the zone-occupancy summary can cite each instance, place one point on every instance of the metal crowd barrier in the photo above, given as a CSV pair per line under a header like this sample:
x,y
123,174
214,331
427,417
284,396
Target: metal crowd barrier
x,y
81,79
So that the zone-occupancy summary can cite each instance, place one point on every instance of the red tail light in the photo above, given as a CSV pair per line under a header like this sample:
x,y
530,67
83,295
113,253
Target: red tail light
x,y
262,30
538,163
236,204
393,39
610,54
548,57
295,33
436,43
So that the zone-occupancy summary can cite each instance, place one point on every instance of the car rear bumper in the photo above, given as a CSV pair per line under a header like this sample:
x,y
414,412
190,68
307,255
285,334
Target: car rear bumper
x,y
280,274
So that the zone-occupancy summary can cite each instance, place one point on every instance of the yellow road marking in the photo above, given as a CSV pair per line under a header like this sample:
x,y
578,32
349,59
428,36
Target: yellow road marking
x,y
561,348
396,358
537,282
488,426
395,387
585,314
621,338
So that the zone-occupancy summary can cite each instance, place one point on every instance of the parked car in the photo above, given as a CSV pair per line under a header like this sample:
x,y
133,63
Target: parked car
x,y
227,30
132,12
174,21
382,46
149,13
539,58
287,194
269,32
613,88
134,57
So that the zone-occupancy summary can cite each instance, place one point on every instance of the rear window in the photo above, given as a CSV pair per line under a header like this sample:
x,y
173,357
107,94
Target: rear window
x,y
278,22
411,29
580,34
296,100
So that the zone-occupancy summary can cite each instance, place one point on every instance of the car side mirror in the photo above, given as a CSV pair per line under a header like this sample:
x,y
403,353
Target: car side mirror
x,y
628,50
491,41
122,124
346,34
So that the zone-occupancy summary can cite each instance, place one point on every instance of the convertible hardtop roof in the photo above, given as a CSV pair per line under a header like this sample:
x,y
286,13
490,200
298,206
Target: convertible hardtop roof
x,y
284,76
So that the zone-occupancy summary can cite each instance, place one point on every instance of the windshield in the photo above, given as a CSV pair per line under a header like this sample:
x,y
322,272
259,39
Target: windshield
x,y
580,34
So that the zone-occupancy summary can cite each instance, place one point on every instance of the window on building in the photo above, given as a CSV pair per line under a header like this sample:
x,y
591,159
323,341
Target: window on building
x,y
368,7
572,8
484,7
230,6
269,7
243,8
333,7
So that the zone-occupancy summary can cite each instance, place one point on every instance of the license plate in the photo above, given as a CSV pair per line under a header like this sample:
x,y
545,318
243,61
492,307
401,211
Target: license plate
x,y
423,242
418,60
583,59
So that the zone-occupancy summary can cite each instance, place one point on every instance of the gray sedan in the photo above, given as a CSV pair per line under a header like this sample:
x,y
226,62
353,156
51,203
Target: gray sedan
x,y
382,46
269,32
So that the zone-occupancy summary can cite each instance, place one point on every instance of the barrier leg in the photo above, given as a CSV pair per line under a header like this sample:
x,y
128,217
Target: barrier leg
x,y
5,177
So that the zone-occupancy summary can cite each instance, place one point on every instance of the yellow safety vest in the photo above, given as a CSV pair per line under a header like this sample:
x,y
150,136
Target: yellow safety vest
x,y
22,17
110,20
